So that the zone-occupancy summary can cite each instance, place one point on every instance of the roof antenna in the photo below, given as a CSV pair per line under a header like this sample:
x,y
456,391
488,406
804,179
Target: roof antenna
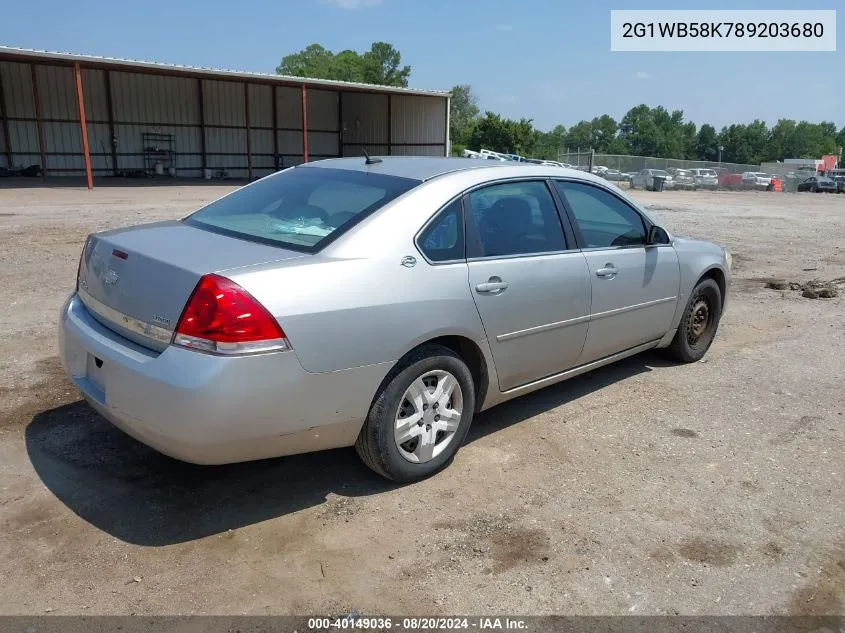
x,y
370,160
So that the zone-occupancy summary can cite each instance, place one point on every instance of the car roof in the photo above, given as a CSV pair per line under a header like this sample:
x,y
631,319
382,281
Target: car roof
x,y
416,167
427,168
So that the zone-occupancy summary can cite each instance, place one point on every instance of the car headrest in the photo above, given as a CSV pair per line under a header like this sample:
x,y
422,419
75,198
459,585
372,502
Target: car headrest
x,y
510,212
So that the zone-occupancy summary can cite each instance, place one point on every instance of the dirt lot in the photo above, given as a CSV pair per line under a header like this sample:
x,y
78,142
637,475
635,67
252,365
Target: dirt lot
x,y
645,488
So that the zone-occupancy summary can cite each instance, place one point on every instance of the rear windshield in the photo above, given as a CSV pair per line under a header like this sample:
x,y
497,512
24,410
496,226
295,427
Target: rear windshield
x,y
303,208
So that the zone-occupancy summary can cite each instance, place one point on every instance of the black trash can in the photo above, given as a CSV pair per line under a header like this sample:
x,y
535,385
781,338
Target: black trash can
x,y
658,183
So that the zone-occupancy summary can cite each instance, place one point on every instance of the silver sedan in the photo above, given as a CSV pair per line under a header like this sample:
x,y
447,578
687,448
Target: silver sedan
x,y
378,303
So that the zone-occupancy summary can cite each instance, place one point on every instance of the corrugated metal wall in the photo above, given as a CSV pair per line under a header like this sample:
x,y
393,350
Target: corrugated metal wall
x,y
20,109
206,132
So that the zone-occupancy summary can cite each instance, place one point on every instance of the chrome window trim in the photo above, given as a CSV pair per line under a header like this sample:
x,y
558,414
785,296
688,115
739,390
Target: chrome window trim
x,y
550,180
593,249
522,255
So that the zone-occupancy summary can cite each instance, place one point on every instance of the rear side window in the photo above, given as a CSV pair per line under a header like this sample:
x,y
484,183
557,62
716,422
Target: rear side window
x,y
517,218
443,239
303,208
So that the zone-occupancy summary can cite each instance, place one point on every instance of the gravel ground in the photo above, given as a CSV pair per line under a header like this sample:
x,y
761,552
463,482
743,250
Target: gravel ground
x,y
641,488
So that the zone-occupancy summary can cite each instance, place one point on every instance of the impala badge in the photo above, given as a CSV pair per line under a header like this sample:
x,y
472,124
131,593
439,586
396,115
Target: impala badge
x,y
110,277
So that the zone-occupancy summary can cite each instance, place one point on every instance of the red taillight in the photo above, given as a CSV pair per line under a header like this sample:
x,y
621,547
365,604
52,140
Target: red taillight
x,y
222,317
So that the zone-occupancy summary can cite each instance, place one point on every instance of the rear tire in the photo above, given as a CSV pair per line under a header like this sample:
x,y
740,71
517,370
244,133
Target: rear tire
x,y
408,405
699,322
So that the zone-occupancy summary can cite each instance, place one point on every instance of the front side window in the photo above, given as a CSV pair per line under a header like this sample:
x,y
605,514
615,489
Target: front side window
x,y
604,220
516,218
443,239
302,208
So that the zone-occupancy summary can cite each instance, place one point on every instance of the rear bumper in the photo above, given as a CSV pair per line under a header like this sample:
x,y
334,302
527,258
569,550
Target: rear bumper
x,y
210,409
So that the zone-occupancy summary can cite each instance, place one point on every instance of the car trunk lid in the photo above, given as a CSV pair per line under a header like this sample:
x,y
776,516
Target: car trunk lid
x,y
137,281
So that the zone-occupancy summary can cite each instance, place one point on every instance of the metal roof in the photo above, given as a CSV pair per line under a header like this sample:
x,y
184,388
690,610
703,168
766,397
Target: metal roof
x,y
8,53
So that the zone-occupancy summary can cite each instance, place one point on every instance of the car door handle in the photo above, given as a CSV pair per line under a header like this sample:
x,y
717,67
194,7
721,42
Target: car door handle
x,y
608,271
493,286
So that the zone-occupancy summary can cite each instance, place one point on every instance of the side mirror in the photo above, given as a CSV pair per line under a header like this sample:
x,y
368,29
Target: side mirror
x,y
656,235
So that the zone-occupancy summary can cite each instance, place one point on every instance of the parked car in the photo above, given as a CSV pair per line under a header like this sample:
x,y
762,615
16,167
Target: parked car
x,y
614,175
491,155
338,303
819,184
682,179
840,183
705,178
756,180
645,179
554,163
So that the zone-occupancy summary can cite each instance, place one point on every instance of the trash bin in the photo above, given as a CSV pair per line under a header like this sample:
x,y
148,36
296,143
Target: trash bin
x,y
658,182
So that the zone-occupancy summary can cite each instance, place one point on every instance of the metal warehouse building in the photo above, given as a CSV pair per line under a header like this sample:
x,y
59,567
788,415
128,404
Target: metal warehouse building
x,y
76,115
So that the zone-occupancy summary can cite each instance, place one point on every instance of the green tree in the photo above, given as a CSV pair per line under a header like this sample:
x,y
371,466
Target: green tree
x,y
313,61
348,66
380,65
707,143
492,131
462,113
733,139
549,144
580,136
639,132
757,141
603,133
782,140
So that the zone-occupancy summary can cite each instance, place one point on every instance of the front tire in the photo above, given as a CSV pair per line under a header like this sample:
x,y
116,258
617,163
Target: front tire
x,y
699,322
420,416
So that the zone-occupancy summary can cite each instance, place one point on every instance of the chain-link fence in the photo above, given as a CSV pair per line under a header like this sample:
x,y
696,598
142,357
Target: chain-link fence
x,y
634,164
791,175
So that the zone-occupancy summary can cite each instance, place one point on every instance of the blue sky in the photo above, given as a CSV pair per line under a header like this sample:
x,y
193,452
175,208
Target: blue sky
x,y
548,60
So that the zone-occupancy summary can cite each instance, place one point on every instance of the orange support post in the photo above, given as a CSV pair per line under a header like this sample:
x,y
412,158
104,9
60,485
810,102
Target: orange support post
x,y
83,125
304,124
